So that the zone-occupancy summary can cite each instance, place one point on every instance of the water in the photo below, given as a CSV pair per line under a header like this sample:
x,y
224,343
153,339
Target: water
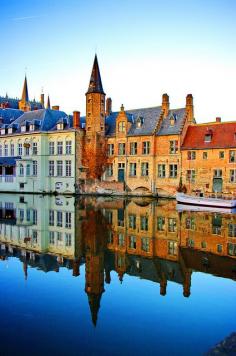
x,y
114,277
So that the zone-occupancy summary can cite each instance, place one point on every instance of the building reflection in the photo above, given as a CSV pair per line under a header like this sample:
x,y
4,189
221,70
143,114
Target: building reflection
x,y
140,237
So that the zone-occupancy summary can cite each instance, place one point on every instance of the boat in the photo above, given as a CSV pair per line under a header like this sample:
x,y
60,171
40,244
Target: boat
x,y
200,208
205,201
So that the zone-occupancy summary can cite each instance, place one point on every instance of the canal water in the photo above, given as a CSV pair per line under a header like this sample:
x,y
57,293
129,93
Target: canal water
x,y
109,276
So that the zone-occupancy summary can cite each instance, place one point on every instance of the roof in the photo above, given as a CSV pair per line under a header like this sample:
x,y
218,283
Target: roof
x,y
25,95
13,103
9,115
223,135
95,84
150,118
8,161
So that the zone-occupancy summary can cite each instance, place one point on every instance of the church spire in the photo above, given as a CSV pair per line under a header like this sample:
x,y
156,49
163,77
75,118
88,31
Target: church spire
x,y
25,95
95,84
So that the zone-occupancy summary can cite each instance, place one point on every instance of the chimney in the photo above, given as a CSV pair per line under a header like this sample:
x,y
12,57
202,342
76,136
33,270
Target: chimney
x,y
42,100
165,104
55,107
189,107
76,119
218,119
108,106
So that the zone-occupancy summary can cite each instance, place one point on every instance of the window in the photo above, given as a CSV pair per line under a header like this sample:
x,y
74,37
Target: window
x,y
51,168
144,169
35,168
208,138
173,170
172,248
68,147
109,170
132,242
68,168
121,240
59,218
59,239
121,126
133,148
160,223
173,147
190,223
221,154
28,169
0,150
12,149
232,249
59,147
191,175
59,168
23,128
35,148
132,221
110,237
109,216
146,148
27,149
21,170
19,149
144,223
35,236
32,126
232,230
27,214
145,244
21,214
120,216
6,150
51,238
219,248
232,156
204,155
132,169
68,220
232,175
60,126
51,148
51,217
121,149
203,244
190,243
161,170
68,240
216,224
192,155
217,173
110,149
172,226
35,217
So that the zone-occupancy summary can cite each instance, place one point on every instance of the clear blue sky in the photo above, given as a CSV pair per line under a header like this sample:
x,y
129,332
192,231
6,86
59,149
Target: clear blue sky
x,y
145,48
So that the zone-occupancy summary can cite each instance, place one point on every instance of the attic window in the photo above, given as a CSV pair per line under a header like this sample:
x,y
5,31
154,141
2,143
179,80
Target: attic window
x,y
23,128
140,121
60,126
172,120
10,130
32,127
208,137
3,131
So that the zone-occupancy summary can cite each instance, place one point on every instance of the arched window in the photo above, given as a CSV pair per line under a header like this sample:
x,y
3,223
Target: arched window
x,y
21,169
28,169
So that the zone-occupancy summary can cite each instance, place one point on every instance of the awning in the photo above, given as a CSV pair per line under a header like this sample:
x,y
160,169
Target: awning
x,y
8,161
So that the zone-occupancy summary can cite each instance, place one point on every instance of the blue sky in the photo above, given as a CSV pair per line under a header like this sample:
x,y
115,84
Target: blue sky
x,y
145,48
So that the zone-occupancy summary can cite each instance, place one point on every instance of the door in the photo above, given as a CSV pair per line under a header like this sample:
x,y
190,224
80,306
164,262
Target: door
x,y
217,185
121,175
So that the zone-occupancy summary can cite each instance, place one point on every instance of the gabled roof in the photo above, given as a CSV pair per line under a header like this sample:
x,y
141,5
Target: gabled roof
x,y
95,84
150,118
223,135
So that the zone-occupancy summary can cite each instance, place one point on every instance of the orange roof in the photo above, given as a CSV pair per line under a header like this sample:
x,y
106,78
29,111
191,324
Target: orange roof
x,y
223,135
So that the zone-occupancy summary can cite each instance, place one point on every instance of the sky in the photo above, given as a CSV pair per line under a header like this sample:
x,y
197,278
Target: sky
x,y
144,48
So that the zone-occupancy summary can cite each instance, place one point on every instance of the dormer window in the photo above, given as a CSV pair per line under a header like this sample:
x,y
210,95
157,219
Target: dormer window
x,y
3,131
32,127
10,130
121,126
23,128
172,120
140,121
208,138
60,126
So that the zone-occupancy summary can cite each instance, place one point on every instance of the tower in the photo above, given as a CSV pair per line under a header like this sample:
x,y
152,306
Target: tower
x,y
95,105
24,103
94,157
189,108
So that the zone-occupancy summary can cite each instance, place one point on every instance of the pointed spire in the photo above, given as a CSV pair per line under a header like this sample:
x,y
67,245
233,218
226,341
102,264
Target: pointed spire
x,y
25,96
95,84
48,103
94,304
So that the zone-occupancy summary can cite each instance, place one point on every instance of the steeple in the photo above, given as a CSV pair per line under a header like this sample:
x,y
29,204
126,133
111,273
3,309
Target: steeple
x,y
94,304
25,96
48,103
95,84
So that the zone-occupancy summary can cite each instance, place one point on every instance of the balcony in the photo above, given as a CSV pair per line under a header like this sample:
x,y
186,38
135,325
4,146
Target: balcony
x,y
7,179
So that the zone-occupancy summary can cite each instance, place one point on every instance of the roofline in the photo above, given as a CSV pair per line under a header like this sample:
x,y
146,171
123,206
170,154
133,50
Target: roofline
x,y
207,148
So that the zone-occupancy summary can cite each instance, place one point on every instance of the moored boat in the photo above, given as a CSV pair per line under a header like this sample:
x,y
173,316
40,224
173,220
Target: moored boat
x,y
205,201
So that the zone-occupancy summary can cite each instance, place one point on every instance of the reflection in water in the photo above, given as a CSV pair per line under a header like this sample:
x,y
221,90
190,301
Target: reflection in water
x,y
142,238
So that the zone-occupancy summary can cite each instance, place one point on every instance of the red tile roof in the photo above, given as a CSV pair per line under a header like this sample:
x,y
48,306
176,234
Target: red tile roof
x,y
223,135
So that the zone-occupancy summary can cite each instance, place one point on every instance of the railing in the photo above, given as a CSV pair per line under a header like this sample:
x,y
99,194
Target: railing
x,y
9,179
